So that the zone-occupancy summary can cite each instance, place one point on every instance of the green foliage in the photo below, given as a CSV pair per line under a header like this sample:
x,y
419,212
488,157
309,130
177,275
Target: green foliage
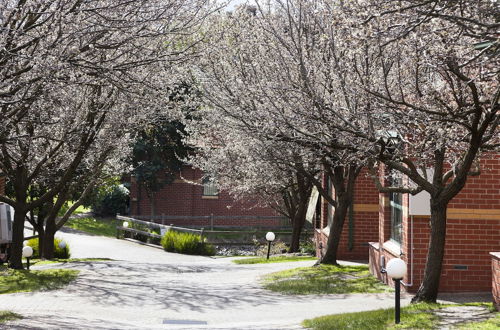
x,y
60,253
8,316
109,199
40,262
159,149
186,243
168,241
273,259
97,226
417,316
324,279
157,154
25,281
491,323
309,247
80,209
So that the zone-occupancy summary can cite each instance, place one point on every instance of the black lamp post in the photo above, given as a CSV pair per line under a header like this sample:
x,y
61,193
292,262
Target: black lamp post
x,y
269,237
396,269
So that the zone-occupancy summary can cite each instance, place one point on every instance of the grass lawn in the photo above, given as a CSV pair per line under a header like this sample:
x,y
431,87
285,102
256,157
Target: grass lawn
x,y
493,323
79,209
24,281
418,316
8,316
39,262
263,260
96,226
324,279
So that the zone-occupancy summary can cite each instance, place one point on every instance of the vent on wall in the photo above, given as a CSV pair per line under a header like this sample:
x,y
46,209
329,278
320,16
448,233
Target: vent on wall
x,y
460,267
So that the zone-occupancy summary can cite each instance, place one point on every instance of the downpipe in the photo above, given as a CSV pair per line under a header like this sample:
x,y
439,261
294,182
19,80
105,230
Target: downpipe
x,y
411,255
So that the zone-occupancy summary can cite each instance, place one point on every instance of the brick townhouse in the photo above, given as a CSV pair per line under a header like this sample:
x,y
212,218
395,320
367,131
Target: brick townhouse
x,y
389,225
190,201
359,228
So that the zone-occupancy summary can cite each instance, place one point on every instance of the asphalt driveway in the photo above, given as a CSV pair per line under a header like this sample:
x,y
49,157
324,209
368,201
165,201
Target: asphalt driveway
x,y
147,288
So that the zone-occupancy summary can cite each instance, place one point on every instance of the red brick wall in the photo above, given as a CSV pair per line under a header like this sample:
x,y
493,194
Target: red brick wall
x,y
182,198
473,230
365,221
495,269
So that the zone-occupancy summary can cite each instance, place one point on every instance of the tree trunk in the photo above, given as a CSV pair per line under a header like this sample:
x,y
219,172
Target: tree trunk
x,y
48,242
41,238
336,228
298,223
428,290
40,227
16,248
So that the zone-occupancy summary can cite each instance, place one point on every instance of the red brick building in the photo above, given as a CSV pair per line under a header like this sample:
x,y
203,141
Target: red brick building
x,y
189,201
360,228
473,231
398,224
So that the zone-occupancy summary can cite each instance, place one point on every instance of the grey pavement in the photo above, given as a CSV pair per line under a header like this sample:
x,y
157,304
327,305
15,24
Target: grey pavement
x,y
144,287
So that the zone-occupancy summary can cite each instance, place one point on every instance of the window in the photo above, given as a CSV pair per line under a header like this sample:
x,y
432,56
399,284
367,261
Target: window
x,y
209,187
396,204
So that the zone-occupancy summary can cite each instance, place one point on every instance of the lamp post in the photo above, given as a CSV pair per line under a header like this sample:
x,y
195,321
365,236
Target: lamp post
x,y
27,253
269,237
396,269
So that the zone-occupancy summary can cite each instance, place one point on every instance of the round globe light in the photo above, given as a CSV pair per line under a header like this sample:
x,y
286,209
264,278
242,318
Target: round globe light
x,y
270,236
27,251
396,268
125,224
62,244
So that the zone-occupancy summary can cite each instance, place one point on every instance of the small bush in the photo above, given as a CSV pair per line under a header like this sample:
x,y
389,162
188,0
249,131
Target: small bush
x,y
110,199
59,253
186,243
308,247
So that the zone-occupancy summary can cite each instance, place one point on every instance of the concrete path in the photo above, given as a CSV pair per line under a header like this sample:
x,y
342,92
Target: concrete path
x,y
147,288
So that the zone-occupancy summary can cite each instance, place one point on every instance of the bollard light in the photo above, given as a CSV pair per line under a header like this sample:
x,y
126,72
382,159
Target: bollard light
x,y
396,269
27,253
269,237
125,224
62,244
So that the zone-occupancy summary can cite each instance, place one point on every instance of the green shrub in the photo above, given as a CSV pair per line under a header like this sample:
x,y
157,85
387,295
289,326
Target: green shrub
x,y
186,243
59,253
308,247
110,199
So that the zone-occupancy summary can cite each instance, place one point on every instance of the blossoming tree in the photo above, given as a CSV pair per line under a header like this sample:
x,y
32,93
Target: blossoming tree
x,y
76,77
